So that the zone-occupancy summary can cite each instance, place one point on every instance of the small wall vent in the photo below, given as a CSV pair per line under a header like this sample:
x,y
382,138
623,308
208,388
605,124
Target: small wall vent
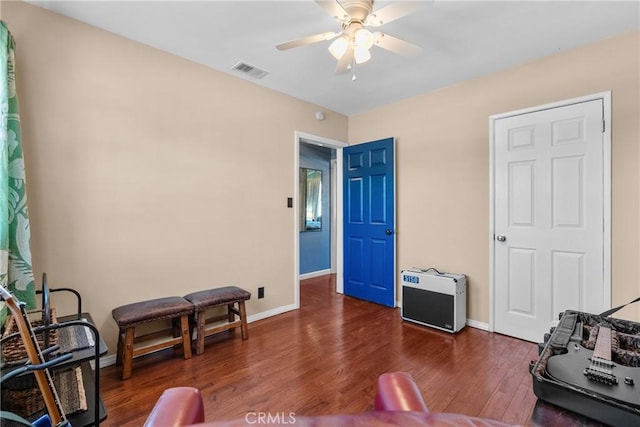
x,y
250,70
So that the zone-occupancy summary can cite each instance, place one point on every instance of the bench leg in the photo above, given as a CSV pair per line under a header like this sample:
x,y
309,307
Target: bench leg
x,y
231,317
243,320
230,313
176,328
201,322
127,354
186,338
193,330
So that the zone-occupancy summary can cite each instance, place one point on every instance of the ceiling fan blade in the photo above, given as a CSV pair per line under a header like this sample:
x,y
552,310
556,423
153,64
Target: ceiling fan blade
x,y
396,45
392,12
333,8
346,62
307,40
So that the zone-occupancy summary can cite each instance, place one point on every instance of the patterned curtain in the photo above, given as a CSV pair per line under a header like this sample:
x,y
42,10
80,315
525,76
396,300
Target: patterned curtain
x,y
15,255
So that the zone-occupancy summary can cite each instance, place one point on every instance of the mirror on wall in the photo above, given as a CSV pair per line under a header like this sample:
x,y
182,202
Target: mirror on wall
x,y
310,199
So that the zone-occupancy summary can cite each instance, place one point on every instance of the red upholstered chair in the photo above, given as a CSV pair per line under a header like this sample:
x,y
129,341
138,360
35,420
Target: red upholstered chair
x,y
398,392
177,406
398,402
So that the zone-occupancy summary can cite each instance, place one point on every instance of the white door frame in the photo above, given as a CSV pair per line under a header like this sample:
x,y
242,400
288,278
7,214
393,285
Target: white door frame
x,y
333,256
606,171
300,137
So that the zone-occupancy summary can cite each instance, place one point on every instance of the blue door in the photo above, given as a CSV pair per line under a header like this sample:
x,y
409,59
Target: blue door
x,y
369,219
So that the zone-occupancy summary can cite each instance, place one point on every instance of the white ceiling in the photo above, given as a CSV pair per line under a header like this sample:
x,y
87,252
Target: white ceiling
x,y
460,40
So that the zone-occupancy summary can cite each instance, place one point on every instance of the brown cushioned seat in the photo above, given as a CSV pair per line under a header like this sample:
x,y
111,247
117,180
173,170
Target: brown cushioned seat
x,y
177,309
204,300
150,311
218,296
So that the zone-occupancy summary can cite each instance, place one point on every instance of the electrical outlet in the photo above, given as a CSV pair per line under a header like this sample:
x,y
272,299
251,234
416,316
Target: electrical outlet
x,y
261,292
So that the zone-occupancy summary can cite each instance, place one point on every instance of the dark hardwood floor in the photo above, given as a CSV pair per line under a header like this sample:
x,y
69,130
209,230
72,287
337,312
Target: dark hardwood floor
x,y
325,358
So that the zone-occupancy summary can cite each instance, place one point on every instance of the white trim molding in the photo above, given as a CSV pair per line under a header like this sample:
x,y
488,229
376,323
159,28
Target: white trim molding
x,y
313,274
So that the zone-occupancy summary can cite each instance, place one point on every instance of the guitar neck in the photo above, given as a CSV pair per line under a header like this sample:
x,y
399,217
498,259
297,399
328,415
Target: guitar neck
x,y
601,367
602,349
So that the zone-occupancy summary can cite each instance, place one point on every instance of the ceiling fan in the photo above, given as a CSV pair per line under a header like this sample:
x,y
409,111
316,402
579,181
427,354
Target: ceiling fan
x,y
351,45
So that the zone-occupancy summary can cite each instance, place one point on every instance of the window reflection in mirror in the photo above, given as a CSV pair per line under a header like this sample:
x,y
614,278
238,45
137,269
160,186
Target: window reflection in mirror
x,y
310,199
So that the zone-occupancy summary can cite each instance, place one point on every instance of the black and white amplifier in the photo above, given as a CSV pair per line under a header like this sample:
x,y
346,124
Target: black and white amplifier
x,y
434,299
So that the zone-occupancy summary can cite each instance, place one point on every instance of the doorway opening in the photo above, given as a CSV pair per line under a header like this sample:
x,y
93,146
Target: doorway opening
x,y
332,224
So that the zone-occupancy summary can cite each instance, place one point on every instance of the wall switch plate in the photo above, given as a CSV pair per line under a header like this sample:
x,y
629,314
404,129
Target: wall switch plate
x,y
289,202
261,292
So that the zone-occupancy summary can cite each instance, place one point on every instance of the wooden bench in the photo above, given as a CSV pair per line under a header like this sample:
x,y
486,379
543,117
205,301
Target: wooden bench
x,y
205,300
128,317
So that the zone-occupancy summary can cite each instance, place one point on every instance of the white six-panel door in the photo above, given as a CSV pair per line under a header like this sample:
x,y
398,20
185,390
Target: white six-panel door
x,y
548,247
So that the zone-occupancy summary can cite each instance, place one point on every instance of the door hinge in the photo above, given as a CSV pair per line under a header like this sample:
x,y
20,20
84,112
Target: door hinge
x,y
603,126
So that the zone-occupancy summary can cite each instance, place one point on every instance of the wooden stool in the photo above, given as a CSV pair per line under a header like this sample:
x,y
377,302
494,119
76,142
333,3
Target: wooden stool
x,y
204,300
129,316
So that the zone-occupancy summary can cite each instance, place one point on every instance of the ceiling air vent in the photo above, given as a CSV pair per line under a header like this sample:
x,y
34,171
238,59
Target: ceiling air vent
x,y
250,70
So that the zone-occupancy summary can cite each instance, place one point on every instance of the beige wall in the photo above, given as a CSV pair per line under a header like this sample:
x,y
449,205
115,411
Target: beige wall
x,y
149,175
443,161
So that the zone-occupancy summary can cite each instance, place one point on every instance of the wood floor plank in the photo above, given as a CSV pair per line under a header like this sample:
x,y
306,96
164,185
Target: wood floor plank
x,y
325,358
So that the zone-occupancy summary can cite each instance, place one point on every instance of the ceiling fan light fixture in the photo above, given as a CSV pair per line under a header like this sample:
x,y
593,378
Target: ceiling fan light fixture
x,y
364,38
352,45
339,47
361,54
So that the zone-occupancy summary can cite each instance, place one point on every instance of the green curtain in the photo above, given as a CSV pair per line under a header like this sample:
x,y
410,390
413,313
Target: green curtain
x,y
15,254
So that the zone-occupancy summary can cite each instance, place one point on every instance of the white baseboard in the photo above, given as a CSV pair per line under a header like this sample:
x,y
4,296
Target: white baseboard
x,y
105,361
111,359
272,312
478,325
315,274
